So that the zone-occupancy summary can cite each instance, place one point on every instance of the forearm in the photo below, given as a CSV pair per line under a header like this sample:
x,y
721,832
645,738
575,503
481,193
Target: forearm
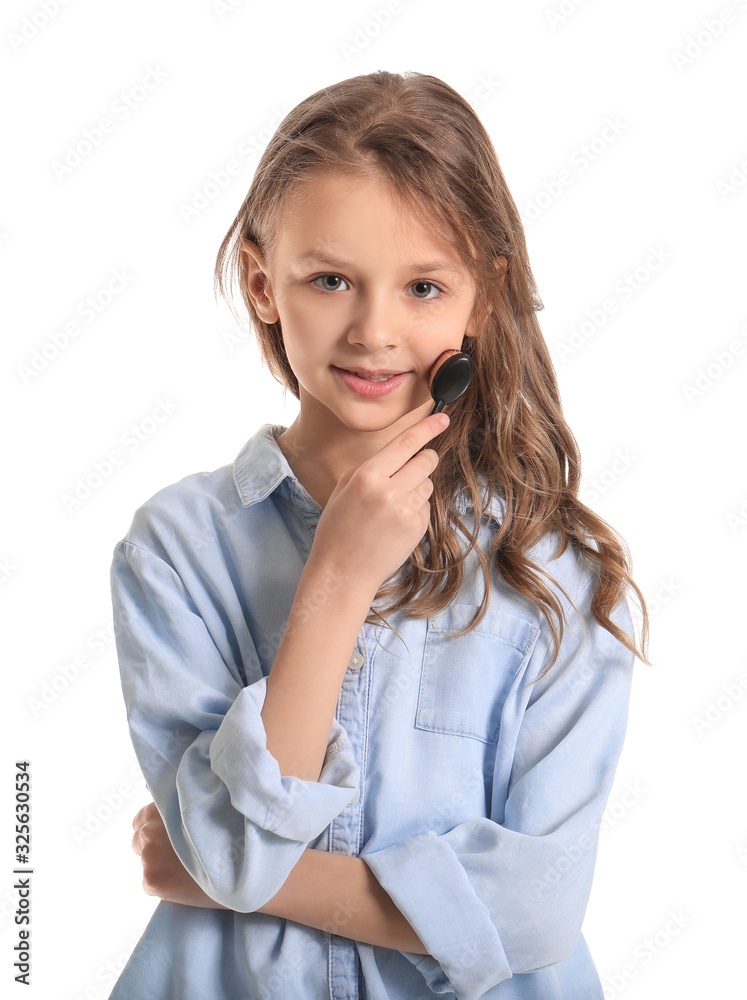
x,y
339,893
304,683
333,892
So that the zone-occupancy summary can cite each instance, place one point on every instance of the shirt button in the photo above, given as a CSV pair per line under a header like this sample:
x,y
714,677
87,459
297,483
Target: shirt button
x,y
356,661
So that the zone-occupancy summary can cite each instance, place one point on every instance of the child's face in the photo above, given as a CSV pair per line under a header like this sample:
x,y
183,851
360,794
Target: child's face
x,y
371,304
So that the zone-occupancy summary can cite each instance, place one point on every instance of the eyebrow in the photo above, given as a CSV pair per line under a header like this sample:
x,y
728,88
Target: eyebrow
x,y
343,265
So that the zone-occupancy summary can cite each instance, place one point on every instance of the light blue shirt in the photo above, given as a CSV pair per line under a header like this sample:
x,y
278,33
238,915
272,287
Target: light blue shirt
x,y
474,796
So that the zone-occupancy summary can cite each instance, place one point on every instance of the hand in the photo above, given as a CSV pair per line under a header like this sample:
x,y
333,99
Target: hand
x,y
163,873
379,511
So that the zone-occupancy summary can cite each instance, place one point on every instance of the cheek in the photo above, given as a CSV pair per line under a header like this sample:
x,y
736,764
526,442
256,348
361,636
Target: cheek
x,y
306,346
438,323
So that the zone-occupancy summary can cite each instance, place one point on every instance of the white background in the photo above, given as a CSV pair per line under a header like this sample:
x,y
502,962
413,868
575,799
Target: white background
x,y
663,463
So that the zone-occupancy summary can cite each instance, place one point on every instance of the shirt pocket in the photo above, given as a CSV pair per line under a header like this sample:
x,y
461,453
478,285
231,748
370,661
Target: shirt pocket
x,y
464,680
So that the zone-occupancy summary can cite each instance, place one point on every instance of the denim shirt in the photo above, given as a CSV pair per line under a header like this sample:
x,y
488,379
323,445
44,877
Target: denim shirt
x,y
473,795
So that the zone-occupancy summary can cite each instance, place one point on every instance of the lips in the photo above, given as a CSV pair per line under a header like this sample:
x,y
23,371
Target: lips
x,y
372,373
371,387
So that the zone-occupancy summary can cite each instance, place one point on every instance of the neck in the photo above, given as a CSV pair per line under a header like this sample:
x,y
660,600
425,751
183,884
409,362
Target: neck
x,y
319,448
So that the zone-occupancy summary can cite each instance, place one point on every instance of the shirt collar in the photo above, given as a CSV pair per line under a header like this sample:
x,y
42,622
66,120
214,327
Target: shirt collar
x,y
261,467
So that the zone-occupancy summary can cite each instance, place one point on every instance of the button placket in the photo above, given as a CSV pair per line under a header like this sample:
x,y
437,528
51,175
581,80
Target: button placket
x,y
345,829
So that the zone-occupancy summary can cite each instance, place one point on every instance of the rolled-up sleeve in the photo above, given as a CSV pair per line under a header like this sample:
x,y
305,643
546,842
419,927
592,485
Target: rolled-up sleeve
x,y
507,893
237,825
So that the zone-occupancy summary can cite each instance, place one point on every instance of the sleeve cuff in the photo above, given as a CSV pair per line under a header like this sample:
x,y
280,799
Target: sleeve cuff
x,y
287,806
430,887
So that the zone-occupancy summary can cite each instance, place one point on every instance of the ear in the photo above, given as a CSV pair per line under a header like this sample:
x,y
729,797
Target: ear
x,y
477,320
479,317
473,325
258,284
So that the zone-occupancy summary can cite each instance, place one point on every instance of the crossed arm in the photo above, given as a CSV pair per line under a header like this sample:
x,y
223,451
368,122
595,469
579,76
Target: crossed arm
x,y
337,893
333,892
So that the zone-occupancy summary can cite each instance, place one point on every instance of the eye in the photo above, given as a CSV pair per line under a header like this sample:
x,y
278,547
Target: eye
x,y
324,277
427,285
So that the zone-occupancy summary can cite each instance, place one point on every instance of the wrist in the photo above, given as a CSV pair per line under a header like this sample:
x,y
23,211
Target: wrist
x,y
341,582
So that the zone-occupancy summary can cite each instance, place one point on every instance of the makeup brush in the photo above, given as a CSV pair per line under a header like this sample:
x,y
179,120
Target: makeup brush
x,y
449,377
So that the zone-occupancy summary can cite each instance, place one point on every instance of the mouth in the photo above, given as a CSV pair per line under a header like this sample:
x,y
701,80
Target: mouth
x,y
371,383
372,374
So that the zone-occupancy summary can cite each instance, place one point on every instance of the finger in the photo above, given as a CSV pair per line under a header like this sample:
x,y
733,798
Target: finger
x,y
137,842
139,818
416,472
415,500
407,443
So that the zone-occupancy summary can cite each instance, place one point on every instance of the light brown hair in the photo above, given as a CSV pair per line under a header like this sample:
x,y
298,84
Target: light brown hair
x,y
508,431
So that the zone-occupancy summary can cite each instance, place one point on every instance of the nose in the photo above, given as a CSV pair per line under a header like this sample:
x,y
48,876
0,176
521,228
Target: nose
x,y
376,326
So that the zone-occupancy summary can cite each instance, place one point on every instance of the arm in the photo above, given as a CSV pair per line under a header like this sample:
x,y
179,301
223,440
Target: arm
x,y
340,894
379,511
238,820
237,824
337,893
304,684
506,894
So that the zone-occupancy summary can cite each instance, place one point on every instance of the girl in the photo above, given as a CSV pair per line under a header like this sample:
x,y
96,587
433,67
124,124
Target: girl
x,y
377,670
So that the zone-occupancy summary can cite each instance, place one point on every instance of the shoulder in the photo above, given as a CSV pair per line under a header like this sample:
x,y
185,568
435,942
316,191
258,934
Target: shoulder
x,y
573,581
206,521
573,573
568,572
184,510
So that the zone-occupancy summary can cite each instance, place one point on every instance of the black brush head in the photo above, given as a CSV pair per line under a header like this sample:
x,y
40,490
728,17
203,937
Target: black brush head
x,y
450,376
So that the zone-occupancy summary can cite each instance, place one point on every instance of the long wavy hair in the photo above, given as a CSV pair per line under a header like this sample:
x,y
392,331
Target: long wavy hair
x,y
507,437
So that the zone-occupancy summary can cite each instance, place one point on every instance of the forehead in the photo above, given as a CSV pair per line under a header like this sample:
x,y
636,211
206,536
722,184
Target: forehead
x,y
343,213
